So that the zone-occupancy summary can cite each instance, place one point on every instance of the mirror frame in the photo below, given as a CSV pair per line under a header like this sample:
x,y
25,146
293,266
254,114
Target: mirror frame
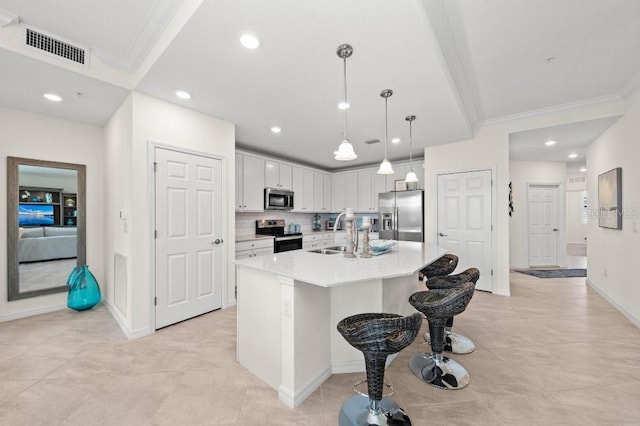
x,y
13,193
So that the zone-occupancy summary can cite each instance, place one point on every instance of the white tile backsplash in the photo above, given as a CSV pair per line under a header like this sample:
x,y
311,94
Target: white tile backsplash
x,y
246,222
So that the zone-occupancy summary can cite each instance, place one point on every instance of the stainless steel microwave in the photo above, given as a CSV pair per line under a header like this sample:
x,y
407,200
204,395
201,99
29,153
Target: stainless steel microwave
x,y
278,199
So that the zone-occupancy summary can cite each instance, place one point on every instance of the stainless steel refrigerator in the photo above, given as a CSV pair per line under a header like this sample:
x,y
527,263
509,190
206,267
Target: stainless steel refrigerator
x,y
401,215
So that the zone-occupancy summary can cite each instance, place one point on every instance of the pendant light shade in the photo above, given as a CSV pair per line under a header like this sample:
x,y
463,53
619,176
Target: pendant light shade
x,y
411,175
345,150
385,166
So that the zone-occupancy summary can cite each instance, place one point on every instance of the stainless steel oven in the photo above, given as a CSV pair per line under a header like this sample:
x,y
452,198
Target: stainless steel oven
x,y
278,199
283,241
287,243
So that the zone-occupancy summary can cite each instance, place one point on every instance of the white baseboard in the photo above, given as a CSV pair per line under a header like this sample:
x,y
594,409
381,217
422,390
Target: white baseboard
x,y
122,322
292,400
340,367
32,312
635,321
230,303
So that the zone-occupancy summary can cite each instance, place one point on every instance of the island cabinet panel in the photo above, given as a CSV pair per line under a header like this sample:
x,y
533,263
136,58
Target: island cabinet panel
x,y
289,304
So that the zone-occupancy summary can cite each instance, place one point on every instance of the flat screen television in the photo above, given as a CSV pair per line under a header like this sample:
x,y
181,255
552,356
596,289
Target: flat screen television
x,y
35,215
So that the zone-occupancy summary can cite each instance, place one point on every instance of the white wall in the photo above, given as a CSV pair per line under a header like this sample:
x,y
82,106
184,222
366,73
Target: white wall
x,y
118,136
488,150
576,226
159,122
613,254
527,172
35,136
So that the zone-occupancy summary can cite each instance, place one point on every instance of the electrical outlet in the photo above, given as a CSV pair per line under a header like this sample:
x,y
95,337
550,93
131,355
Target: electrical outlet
x,y
286,308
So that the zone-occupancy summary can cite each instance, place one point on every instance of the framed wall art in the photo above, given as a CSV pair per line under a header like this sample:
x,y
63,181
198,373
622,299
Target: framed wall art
x,y
610,199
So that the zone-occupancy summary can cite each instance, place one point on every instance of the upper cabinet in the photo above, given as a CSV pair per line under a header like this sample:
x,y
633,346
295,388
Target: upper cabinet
x,y
302,190
278,175
315,191
250,175
321,192
338,192
370,184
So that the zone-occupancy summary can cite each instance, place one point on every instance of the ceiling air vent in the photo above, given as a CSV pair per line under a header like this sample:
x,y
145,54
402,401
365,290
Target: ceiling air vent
x,y
55,46
370,141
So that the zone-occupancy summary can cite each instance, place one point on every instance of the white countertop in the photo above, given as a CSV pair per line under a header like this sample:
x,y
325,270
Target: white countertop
x,y
328,270
251,237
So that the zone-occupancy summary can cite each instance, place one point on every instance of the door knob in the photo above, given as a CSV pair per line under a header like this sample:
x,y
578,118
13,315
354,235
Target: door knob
x,y
442,235
555,229
217,241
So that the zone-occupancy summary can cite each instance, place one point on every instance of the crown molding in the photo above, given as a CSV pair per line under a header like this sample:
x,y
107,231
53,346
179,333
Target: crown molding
x,y
550,110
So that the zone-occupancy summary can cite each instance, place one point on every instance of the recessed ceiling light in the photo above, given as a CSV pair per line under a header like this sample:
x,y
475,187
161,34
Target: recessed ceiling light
x,y
276,129
183,95
53,97
395,140
550,143
584,169
343,105
573,155
249,41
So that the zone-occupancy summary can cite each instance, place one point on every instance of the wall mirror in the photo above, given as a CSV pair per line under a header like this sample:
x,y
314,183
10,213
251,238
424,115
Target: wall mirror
x,y
46,225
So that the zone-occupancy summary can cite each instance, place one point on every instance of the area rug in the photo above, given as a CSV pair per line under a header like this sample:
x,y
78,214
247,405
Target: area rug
x,y
554,273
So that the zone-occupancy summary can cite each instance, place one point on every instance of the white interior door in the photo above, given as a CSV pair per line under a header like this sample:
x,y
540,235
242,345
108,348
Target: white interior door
x,y
543,225
189,245
464,221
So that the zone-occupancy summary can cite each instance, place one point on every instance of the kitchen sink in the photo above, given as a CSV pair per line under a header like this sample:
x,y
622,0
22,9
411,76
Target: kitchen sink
x,y
330,250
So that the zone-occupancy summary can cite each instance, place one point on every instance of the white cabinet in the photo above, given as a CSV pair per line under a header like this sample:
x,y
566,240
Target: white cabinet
x,y
321,192
329,239
370,183
278,175
249,183
338,192
312,241
254,248
344,191
302,190
318,240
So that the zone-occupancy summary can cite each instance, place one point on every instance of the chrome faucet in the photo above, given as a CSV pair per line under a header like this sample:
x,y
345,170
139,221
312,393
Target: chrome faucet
x,y
354,228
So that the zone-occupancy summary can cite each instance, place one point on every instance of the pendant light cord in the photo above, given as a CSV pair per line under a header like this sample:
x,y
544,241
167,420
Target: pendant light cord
x,y
385,128
410,145
344,60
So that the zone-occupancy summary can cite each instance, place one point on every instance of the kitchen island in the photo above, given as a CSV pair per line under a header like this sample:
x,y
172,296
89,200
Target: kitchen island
x,y
290,303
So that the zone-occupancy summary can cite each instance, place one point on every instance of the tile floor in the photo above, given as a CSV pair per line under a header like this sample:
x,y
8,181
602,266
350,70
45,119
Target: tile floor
x,y
554,352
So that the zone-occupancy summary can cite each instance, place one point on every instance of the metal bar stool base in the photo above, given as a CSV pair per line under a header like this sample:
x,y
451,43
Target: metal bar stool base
x,y
444,373
355,412
455,343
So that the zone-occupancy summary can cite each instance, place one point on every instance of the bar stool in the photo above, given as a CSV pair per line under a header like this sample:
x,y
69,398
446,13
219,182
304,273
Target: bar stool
x,y
438,306
377,335
442,266
454,342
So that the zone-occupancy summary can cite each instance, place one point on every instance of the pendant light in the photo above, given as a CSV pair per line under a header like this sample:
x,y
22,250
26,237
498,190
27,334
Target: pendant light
x,y
411,175
345,150
385,166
